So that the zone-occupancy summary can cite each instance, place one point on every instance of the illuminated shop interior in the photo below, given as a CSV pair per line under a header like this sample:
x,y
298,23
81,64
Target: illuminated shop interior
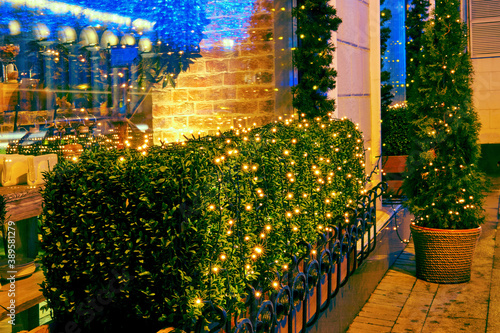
x,y
129,74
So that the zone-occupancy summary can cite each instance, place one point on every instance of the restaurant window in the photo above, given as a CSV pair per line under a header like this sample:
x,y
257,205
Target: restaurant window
x,y
133,73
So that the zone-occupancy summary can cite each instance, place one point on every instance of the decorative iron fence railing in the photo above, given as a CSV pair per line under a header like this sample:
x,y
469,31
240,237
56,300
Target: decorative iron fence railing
x,y
311,283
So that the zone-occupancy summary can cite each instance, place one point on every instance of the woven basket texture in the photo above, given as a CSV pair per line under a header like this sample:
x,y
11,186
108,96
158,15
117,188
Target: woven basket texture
x,y
444,256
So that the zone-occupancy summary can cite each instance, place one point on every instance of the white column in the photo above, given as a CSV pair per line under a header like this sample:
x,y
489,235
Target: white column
x,y
374,145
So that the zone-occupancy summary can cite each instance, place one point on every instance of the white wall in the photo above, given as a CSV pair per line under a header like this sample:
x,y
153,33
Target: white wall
x,y
358,67
486,86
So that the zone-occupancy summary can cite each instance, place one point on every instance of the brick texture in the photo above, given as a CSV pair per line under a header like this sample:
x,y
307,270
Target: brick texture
x,y
229,86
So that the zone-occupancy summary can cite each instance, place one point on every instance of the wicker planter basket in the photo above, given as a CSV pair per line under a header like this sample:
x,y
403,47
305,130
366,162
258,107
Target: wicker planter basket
x,y
444,256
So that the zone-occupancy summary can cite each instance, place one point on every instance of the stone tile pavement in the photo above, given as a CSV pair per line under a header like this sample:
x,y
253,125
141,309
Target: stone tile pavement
x,y
402,303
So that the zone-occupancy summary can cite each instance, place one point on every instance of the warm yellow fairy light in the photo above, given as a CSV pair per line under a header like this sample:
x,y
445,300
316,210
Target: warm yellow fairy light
x,y
285,267
248,207
248,267
295,229
268,227
247,238
222,257
289,195
231,222
198,301
215,269
275,284
211,207
257,294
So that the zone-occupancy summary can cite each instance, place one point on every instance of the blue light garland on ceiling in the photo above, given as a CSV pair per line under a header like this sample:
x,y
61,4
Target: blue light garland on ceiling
x,y
180,23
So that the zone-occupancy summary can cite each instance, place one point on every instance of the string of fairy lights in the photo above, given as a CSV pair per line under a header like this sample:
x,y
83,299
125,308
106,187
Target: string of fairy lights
x,y
249,233
444,169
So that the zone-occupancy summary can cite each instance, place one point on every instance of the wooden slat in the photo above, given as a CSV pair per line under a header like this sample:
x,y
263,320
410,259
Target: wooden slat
x,y
27,294
394,164
22,201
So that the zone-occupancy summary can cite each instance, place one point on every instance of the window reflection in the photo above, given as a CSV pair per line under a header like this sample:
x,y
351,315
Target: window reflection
x,y
85,73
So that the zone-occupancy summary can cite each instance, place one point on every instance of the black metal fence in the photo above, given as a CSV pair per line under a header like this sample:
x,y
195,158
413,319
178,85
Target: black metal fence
x,y
308,287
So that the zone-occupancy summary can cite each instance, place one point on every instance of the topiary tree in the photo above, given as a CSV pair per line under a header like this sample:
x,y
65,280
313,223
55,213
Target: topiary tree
x,y
443,184
416,16
316,20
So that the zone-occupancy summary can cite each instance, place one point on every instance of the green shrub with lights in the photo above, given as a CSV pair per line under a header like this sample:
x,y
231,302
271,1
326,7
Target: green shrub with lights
x,y
444,186
139,239
396,130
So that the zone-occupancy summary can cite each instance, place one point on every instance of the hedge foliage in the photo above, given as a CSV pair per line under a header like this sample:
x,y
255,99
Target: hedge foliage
x,y
396,131
138,238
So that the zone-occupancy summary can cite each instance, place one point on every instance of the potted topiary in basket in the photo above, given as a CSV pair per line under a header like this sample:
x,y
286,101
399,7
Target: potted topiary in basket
x,y
443,184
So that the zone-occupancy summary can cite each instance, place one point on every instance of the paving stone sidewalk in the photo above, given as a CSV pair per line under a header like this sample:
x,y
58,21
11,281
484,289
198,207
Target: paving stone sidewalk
x,y
402,303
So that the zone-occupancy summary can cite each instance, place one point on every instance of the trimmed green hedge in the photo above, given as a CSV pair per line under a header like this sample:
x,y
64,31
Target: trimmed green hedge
x,y
134,239
396,131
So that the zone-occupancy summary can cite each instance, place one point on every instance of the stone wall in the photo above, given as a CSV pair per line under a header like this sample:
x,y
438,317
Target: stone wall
x,y
231,85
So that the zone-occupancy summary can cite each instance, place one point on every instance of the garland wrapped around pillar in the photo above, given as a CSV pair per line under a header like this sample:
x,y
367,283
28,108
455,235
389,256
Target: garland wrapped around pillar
x,y
316,20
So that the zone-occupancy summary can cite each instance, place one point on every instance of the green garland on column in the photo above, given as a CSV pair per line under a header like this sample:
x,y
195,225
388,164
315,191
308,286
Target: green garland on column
x,y
316,20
